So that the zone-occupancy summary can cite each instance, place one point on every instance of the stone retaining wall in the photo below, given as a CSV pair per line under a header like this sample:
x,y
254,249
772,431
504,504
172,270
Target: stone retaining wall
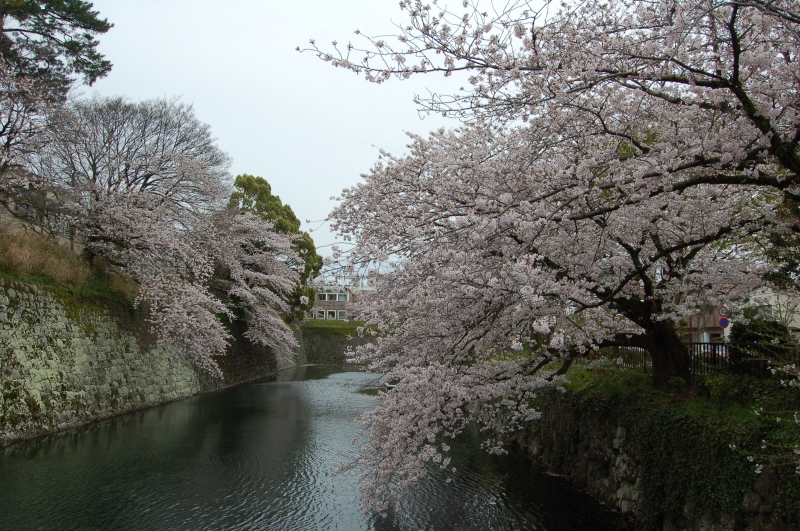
x,y
597,449
326,346
591,450
67,360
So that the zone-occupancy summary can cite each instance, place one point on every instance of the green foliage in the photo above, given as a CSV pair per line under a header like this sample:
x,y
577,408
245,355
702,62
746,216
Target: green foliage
x,y
109,285
689,467
610,382
330,326
254,194
722,386
49,41
700,453
695,443
759,330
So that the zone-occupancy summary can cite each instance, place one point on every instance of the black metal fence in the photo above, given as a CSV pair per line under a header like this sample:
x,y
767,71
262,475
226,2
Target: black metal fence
x,y
629,357
708,358
753,359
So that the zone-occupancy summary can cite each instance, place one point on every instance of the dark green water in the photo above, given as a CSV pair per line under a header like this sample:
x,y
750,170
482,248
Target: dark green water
x,y
264,456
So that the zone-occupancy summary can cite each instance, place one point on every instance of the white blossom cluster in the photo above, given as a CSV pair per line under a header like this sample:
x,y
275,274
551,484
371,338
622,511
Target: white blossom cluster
x,y
616,169
144,188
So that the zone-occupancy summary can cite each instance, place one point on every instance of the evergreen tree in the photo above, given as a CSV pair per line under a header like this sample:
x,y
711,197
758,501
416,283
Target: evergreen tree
x,y
254,194
50,41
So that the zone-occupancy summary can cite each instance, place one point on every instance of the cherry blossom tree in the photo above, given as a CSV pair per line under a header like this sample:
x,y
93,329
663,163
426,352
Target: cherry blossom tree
x,y
697,92
254,194
23,114
498,274
617,167
146,188
260,275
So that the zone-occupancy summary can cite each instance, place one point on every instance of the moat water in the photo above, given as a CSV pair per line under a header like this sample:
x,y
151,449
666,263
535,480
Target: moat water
x,y
266,456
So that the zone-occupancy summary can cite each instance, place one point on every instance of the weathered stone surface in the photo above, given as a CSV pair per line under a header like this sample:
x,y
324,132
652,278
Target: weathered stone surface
x,y
752,501
767,486
763,523
66,361
593,449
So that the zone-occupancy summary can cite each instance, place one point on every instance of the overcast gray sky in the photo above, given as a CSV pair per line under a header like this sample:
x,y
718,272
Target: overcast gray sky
x,y
308,128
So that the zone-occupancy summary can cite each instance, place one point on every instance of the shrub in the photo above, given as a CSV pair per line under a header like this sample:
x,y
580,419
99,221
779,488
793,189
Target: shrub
x,y
759,331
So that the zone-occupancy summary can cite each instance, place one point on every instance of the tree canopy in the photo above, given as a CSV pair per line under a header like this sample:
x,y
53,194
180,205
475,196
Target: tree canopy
x,y
254,194
50,41
760,330
144,186
619,166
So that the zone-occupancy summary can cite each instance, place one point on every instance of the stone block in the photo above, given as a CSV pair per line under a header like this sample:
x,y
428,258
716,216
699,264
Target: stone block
x,y
85,363
767,485
751,501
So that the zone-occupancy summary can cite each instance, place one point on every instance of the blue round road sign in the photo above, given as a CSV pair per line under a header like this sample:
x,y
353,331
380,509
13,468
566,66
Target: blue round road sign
x,y
724,323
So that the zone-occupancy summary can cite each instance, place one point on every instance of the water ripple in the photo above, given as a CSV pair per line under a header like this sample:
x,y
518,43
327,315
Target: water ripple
x,y
264,457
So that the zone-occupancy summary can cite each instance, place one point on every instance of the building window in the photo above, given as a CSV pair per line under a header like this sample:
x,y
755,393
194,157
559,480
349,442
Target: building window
x,y
343,297
342,314
331,314
320,314
320,296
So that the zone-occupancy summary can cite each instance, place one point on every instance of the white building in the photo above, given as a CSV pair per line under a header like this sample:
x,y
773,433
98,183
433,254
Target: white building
x,y
336,296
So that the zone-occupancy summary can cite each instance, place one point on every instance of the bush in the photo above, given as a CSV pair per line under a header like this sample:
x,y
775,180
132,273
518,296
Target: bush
x,y
759,331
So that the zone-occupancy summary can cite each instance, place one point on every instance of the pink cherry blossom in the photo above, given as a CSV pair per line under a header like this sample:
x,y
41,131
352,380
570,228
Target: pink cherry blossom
x,y
615,170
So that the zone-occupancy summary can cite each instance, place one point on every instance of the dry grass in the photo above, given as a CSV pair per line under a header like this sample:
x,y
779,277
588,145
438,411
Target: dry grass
x,y
26,253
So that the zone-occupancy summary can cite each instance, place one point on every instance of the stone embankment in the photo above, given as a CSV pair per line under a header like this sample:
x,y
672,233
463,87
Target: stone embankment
x,y
68,360
610,453
327,346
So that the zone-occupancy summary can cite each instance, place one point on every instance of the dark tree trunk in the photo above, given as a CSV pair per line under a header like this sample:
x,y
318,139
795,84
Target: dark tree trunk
x,y
669,355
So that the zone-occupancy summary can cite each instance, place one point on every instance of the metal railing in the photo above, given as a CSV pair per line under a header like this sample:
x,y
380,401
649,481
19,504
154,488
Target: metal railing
x,y
629,357
753,359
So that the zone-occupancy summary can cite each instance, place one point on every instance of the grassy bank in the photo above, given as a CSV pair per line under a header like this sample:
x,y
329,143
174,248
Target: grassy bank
x,y
330,326
29,257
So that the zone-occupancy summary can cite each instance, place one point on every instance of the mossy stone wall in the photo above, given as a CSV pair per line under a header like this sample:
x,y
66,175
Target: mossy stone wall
x,y
329,345
660,466
67,360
